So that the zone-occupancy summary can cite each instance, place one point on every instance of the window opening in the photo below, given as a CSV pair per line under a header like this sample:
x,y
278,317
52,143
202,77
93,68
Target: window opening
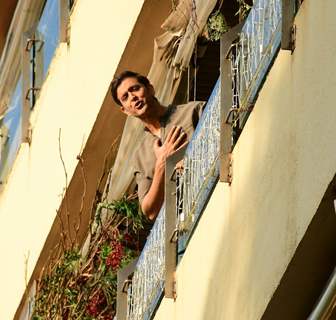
x,y
49,29
11,131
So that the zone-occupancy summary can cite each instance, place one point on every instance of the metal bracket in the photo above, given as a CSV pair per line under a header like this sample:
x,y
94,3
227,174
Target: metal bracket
x,y
31,41
230,174
70,3
234,113
228,42
171,232
126,285
293,38
4,135
64,25
124,280
298,4
174,236
288,13
31,90
232,46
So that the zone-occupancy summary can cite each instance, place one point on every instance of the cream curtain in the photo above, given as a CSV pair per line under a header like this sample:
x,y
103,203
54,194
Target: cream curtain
x,y
172,53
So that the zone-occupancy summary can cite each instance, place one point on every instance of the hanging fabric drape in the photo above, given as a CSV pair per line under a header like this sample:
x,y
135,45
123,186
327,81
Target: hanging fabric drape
x,y
174,48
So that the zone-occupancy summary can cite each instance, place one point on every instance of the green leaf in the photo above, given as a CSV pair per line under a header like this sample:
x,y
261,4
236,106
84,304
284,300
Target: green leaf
x,y
105,251
216,26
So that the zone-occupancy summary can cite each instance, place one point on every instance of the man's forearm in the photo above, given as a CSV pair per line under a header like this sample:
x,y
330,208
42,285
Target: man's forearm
x,y
153,200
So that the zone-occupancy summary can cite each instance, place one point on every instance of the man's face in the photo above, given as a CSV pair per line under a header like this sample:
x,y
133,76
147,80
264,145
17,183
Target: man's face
x,y
135,97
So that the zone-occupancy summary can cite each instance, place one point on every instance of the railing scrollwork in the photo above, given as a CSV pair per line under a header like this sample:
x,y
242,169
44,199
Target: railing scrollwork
x,y
250,50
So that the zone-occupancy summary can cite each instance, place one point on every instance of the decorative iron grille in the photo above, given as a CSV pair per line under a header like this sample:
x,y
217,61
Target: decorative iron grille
x,y
200,167
252,54
148,279
251,57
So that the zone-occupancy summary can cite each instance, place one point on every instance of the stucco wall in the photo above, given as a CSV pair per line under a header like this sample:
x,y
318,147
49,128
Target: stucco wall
x,y
282,165
70,99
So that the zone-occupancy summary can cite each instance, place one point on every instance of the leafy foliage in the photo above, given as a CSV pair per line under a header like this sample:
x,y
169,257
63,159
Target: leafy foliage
x,y
126,208
216,26
84,286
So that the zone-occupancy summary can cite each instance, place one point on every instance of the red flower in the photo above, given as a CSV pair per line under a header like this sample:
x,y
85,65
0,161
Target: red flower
x,y
113,260
96,304
65,314
128,238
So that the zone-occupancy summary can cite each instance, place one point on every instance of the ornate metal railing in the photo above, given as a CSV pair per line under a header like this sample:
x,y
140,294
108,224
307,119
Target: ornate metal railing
x,y
252,54
251,57
148,278
200,168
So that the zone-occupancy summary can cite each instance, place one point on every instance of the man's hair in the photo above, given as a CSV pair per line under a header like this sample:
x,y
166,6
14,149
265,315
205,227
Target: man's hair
x,y
124,75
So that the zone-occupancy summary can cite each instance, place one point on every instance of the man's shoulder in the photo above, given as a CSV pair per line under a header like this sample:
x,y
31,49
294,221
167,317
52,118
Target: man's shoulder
x,y
191,104
189,109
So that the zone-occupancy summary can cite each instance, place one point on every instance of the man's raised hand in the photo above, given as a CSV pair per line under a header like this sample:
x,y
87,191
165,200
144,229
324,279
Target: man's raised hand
x,y
175,140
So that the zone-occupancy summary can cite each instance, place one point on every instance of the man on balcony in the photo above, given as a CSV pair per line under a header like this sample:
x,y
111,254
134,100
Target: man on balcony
x,y
167,129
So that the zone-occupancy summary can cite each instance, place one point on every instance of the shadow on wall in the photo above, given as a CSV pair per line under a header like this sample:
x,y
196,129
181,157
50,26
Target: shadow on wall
x,y
282,165
259,195
311,266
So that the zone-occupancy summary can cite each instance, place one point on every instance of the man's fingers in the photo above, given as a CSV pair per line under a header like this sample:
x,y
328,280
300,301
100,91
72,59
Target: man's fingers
x,y
176,134
182,145
180,139
171,132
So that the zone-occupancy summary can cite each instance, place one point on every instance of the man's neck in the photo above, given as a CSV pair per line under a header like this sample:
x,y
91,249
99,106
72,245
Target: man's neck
x,y
152,121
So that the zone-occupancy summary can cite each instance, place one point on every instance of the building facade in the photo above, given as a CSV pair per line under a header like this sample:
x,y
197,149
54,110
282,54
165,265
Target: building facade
x,y
256,235
57,62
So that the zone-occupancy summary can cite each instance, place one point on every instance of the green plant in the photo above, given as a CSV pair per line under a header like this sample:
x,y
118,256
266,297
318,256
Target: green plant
x,y
127,209
216,26
77,286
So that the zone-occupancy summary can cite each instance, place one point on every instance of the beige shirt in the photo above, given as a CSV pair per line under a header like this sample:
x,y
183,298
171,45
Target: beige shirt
x,y
184,115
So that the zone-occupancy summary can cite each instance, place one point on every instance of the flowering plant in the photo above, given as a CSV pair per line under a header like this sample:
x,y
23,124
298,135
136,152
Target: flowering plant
x,y
80,285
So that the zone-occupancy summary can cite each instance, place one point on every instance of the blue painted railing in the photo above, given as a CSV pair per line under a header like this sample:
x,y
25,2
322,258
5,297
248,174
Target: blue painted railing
x,y
251,58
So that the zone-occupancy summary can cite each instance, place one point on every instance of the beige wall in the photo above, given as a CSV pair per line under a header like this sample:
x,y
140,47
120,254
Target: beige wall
x,y
282,165
70,99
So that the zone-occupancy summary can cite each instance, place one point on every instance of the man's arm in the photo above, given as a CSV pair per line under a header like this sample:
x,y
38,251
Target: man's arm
x,y
154,198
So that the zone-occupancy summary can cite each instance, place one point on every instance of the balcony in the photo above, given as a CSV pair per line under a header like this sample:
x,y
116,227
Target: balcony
x,y
194,184
248,51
